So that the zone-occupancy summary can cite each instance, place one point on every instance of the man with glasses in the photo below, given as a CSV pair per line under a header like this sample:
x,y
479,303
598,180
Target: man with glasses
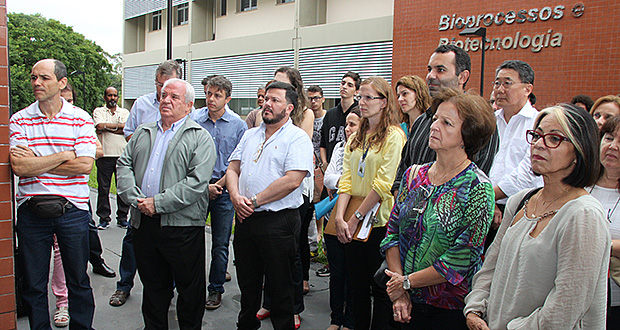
x,y
263,178
226,130
511,171
334,122
144,110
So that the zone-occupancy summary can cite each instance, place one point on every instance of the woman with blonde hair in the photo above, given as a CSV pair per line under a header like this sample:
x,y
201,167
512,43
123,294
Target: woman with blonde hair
x,y
604,108
371,157
413,99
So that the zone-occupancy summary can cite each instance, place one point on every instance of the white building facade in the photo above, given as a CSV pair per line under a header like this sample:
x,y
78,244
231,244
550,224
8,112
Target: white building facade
x,y
247,40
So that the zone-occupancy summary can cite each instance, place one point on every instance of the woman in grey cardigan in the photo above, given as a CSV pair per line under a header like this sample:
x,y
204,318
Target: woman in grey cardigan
x,y
547,268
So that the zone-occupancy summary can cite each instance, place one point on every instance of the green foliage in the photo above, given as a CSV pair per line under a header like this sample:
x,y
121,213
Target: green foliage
x,y
33,37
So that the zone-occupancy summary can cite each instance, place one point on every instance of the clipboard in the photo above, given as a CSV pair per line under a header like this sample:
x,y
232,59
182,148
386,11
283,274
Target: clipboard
x,y
354,203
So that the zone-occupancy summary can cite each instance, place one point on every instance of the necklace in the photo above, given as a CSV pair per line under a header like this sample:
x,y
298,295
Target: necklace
x,y
450,172
546,214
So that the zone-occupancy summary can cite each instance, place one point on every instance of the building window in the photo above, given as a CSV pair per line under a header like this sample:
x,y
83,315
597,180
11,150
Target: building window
x,y
182,14
245,5
156,21
284,1
221,7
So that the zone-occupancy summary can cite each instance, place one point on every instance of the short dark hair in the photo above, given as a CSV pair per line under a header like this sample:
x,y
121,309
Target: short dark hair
x,y
583,133
477,115
355,110
167,68
583,99
355,76
532,98
525,71
222,83
462,59
291,93
205,80
60,70
315,89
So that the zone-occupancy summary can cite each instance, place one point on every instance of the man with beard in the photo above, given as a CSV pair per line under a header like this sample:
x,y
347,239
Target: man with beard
x,y
264,177
109,123
448,67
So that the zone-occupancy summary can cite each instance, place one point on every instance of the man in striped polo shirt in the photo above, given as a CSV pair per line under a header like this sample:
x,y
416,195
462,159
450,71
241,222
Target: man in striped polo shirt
x,y
52,152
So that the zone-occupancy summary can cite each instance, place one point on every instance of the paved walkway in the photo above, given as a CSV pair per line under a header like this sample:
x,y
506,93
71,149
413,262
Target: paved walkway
x,y
127,317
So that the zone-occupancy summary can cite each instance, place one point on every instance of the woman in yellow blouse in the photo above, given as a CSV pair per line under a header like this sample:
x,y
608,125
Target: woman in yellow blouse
x,y
370,161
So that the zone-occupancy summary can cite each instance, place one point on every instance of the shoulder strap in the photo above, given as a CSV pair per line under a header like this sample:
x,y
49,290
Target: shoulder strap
x,y
525,198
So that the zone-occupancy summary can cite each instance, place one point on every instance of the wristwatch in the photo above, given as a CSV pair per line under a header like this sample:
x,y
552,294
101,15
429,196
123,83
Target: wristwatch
x,y
406,283
359,216
254,202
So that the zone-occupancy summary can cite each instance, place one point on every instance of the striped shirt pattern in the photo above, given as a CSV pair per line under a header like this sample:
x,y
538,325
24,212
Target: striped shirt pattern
x,y
417,151
71,129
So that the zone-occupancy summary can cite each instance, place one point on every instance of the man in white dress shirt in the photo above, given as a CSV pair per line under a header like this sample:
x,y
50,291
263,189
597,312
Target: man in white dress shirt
x,y
511,171
263,178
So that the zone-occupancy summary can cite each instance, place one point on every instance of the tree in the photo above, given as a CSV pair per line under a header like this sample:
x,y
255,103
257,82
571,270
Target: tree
x,y
34,37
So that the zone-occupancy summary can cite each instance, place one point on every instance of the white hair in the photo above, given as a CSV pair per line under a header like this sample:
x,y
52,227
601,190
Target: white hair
x,y
190,93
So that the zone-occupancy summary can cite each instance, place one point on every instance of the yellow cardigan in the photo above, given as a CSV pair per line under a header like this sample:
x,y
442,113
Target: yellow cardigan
x,y
380,171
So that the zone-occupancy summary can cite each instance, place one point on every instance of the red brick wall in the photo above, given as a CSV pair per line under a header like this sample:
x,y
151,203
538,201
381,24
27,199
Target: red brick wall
x,y
7,283
587,62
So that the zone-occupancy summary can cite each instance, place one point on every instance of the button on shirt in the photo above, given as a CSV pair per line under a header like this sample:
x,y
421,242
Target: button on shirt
x,y
226,132
262,162
144,110
151,180
512,170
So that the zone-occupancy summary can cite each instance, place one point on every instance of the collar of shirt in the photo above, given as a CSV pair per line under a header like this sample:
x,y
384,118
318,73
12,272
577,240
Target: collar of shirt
x,y
34,111
263,128
174,125
527,111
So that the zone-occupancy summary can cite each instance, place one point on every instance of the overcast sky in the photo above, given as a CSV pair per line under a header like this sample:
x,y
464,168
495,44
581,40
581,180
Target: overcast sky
x,y
99,21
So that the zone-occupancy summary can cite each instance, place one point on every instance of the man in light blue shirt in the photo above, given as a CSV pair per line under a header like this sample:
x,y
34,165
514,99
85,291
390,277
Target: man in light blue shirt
x,y
226,130
164,175
144,110
263,178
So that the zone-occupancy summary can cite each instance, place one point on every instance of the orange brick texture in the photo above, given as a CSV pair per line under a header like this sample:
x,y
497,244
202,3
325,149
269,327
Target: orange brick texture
x,y
7,269
586,61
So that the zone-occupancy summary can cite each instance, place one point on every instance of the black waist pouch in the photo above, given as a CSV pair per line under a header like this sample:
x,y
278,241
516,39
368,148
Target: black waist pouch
x,y
49,206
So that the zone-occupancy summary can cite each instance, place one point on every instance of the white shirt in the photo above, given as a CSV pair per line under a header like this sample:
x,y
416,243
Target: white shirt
x,y
610,199
288,149
71,129
113,144
334,169
512,170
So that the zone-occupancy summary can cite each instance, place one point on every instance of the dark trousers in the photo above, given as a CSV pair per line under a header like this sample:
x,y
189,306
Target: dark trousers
x,y
340,297
304,245
363,259
35,237
106,166
127,268
299,274
427,317
94,242
265,246
169,257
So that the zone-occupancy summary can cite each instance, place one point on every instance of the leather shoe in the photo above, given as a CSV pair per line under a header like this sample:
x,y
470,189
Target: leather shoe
x,y
104,270
214,301
119,298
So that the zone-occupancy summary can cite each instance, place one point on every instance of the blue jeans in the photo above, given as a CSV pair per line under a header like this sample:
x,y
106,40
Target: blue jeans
x,y
222,212
35,245
128,265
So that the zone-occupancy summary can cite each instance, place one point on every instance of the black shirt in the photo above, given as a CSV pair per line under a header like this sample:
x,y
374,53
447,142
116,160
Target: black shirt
x,y
417,151
332,131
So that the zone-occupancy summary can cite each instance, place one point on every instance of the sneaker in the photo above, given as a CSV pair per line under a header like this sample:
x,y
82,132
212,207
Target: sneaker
x,y
122,224
103,225
323,272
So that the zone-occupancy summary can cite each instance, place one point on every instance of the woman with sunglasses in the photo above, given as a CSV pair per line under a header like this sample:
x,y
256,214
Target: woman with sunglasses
x,y
441,217
607,191
371,156
547,267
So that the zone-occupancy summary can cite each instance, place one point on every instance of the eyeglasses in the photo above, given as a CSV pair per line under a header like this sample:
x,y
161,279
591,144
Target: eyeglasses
x,y
551,140
367,98
259,152
507,84
158,84
315,98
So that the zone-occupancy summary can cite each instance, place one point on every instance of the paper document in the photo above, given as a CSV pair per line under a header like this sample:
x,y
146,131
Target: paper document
x,y
369,220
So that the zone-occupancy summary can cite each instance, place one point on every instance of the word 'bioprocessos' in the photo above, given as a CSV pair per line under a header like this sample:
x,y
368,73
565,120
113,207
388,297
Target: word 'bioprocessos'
x,y
449,22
